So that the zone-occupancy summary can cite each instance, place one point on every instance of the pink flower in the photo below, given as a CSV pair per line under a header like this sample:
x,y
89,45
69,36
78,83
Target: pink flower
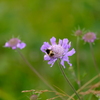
x,y
89,37
15,43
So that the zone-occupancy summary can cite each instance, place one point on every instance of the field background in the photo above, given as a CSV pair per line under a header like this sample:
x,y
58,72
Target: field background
x,y
36,21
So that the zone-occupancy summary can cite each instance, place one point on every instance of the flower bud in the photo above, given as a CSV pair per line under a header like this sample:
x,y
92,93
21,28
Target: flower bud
x,y
78,33
33,97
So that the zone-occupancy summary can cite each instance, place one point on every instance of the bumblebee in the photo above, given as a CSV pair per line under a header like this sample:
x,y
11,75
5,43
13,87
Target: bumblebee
x,y
49,52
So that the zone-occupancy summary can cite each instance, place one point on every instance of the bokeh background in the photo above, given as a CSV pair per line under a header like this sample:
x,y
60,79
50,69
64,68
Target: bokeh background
x,y
36,21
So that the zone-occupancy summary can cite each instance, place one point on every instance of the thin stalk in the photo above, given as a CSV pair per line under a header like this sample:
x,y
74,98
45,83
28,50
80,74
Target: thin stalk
x,y
94,61
66,78
84,86
78,68
34,70
63,92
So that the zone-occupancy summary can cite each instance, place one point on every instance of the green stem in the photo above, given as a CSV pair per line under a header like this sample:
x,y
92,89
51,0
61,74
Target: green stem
x,y
34,70
66,78
78,69
94,61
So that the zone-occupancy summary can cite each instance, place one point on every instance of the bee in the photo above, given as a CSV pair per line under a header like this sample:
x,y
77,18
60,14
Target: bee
x,y
49,52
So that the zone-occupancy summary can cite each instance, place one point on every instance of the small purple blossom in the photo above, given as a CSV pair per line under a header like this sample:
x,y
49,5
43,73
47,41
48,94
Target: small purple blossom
x,y
15,43
56,51
89,37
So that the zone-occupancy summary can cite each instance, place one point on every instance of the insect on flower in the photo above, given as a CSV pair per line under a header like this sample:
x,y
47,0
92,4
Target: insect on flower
x,y
49,52
56,51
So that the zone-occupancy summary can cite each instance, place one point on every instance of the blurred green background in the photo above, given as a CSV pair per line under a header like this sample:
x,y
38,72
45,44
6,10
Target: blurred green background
x,y
36,21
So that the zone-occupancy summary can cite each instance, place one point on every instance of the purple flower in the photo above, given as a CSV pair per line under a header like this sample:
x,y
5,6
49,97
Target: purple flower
x,y
89,37
15,43
57,51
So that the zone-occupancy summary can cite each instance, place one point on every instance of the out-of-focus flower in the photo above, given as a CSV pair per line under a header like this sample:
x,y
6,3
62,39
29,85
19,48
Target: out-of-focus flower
x,y
57,51
33,97
89,37
78,33
15,43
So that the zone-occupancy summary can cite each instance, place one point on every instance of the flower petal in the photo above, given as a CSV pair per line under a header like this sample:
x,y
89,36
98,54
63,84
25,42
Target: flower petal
x,y
46,57
52,61
69,44
45,46
65,43
21,45
6,44
65,58
62,63
60,42
14,47
71,52
53,40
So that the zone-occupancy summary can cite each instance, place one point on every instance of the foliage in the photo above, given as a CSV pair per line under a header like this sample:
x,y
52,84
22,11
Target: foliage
x,y
36,21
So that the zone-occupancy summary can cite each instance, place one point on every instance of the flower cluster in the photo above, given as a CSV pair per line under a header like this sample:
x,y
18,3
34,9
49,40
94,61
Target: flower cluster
x,y
56,51
15,43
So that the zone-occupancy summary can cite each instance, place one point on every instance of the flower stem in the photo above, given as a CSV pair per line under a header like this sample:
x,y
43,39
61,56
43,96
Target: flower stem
x,y
94,61
66,78
78,69
34,70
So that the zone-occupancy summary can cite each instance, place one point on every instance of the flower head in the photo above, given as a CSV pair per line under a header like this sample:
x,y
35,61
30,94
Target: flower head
x,y
15,43
78,33
89,37
56,51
